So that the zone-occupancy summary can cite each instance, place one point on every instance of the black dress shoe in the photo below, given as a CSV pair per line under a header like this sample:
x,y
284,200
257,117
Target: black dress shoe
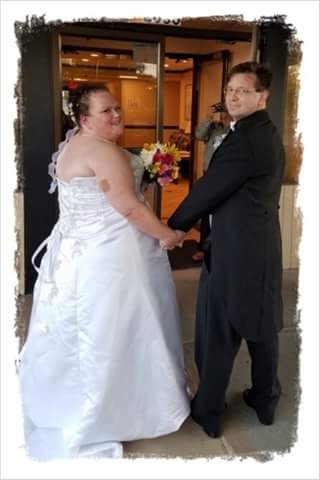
x,y
215,429
213,432
265,414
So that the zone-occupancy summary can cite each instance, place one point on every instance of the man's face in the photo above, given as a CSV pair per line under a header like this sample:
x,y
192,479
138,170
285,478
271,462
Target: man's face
x,y
241,97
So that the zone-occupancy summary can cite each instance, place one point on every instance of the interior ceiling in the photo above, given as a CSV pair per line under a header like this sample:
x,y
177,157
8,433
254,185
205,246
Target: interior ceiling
x,y
97,58
114,60
82,67
172,44
94,59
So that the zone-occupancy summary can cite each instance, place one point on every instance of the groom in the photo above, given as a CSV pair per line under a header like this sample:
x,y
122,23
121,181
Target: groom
x,y
239,293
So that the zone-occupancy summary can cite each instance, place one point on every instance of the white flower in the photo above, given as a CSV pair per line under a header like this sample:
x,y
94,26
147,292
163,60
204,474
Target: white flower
x,y
147,156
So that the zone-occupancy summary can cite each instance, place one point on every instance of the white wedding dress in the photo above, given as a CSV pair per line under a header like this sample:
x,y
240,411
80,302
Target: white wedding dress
x,y
103,360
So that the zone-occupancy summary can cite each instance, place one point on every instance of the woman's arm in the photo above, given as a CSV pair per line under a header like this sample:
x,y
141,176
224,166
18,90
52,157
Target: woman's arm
x,y
115,178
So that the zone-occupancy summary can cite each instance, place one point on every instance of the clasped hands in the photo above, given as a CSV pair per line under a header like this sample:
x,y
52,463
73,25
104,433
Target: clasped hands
x,y
174,240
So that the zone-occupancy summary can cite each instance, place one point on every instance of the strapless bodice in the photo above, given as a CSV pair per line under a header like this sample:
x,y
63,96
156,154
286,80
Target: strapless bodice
x,y
83,203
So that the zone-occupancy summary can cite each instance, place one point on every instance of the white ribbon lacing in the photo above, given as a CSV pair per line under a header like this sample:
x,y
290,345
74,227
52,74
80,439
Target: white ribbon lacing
x,y
53,164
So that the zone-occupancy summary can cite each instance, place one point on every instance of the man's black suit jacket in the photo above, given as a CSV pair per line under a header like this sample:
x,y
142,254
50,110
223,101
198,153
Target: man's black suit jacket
x,y
241,189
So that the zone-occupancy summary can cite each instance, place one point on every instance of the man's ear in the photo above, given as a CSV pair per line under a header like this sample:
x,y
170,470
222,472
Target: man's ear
x,y
264,95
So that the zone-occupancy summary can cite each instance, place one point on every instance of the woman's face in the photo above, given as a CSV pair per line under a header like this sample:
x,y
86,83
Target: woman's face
x,y
104,118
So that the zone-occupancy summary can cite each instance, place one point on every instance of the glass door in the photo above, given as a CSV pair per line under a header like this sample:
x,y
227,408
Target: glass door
x,y
132,71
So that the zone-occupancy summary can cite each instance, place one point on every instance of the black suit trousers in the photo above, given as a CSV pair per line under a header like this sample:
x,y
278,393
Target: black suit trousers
x,y
216,346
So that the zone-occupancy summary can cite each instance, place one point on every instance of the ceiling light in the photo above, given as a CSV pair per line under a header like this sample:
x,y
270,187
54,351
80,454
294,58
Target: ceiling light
x,y
84,59
67,61
128,76
79,79
94,54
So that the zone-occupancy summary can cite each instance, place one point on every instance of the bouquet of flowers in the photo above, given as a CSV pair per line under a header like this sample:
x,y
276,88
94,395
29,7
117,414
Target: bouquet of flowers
x,y
160,163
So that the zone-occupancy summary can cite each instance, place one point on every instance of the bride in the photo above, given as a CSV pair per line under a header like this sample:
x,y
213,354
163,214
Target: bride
x,y
103,360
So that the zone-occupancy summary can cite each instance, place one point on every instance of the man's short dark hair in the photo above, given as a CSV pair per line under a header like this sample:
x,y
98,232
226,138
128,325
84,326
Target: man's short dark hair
x,y
262,72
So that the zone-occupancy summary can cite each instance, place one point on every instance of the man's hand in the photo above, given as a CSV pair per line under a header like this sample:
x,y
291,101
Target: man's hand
x,y
174,241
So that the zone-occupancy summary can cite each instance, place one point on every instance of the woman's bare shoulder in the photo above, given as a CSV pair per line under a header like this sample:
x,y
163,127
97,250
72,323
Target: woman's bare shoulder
x,y
103,151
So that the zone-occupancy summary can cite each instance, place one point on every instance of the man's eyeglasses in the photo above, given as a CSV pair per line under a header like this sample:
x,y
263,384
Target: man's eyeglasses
x,y
240,92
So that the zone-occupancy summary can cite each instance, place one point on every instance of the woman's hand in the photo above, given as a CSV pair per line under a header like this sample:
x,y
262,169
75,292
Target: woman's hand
x,y
176,239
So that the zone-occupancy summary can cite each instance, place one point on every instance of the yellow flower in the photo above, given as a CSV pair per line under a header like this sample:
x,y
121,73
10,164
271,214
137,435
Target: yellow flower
x,y
148,146
175,172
